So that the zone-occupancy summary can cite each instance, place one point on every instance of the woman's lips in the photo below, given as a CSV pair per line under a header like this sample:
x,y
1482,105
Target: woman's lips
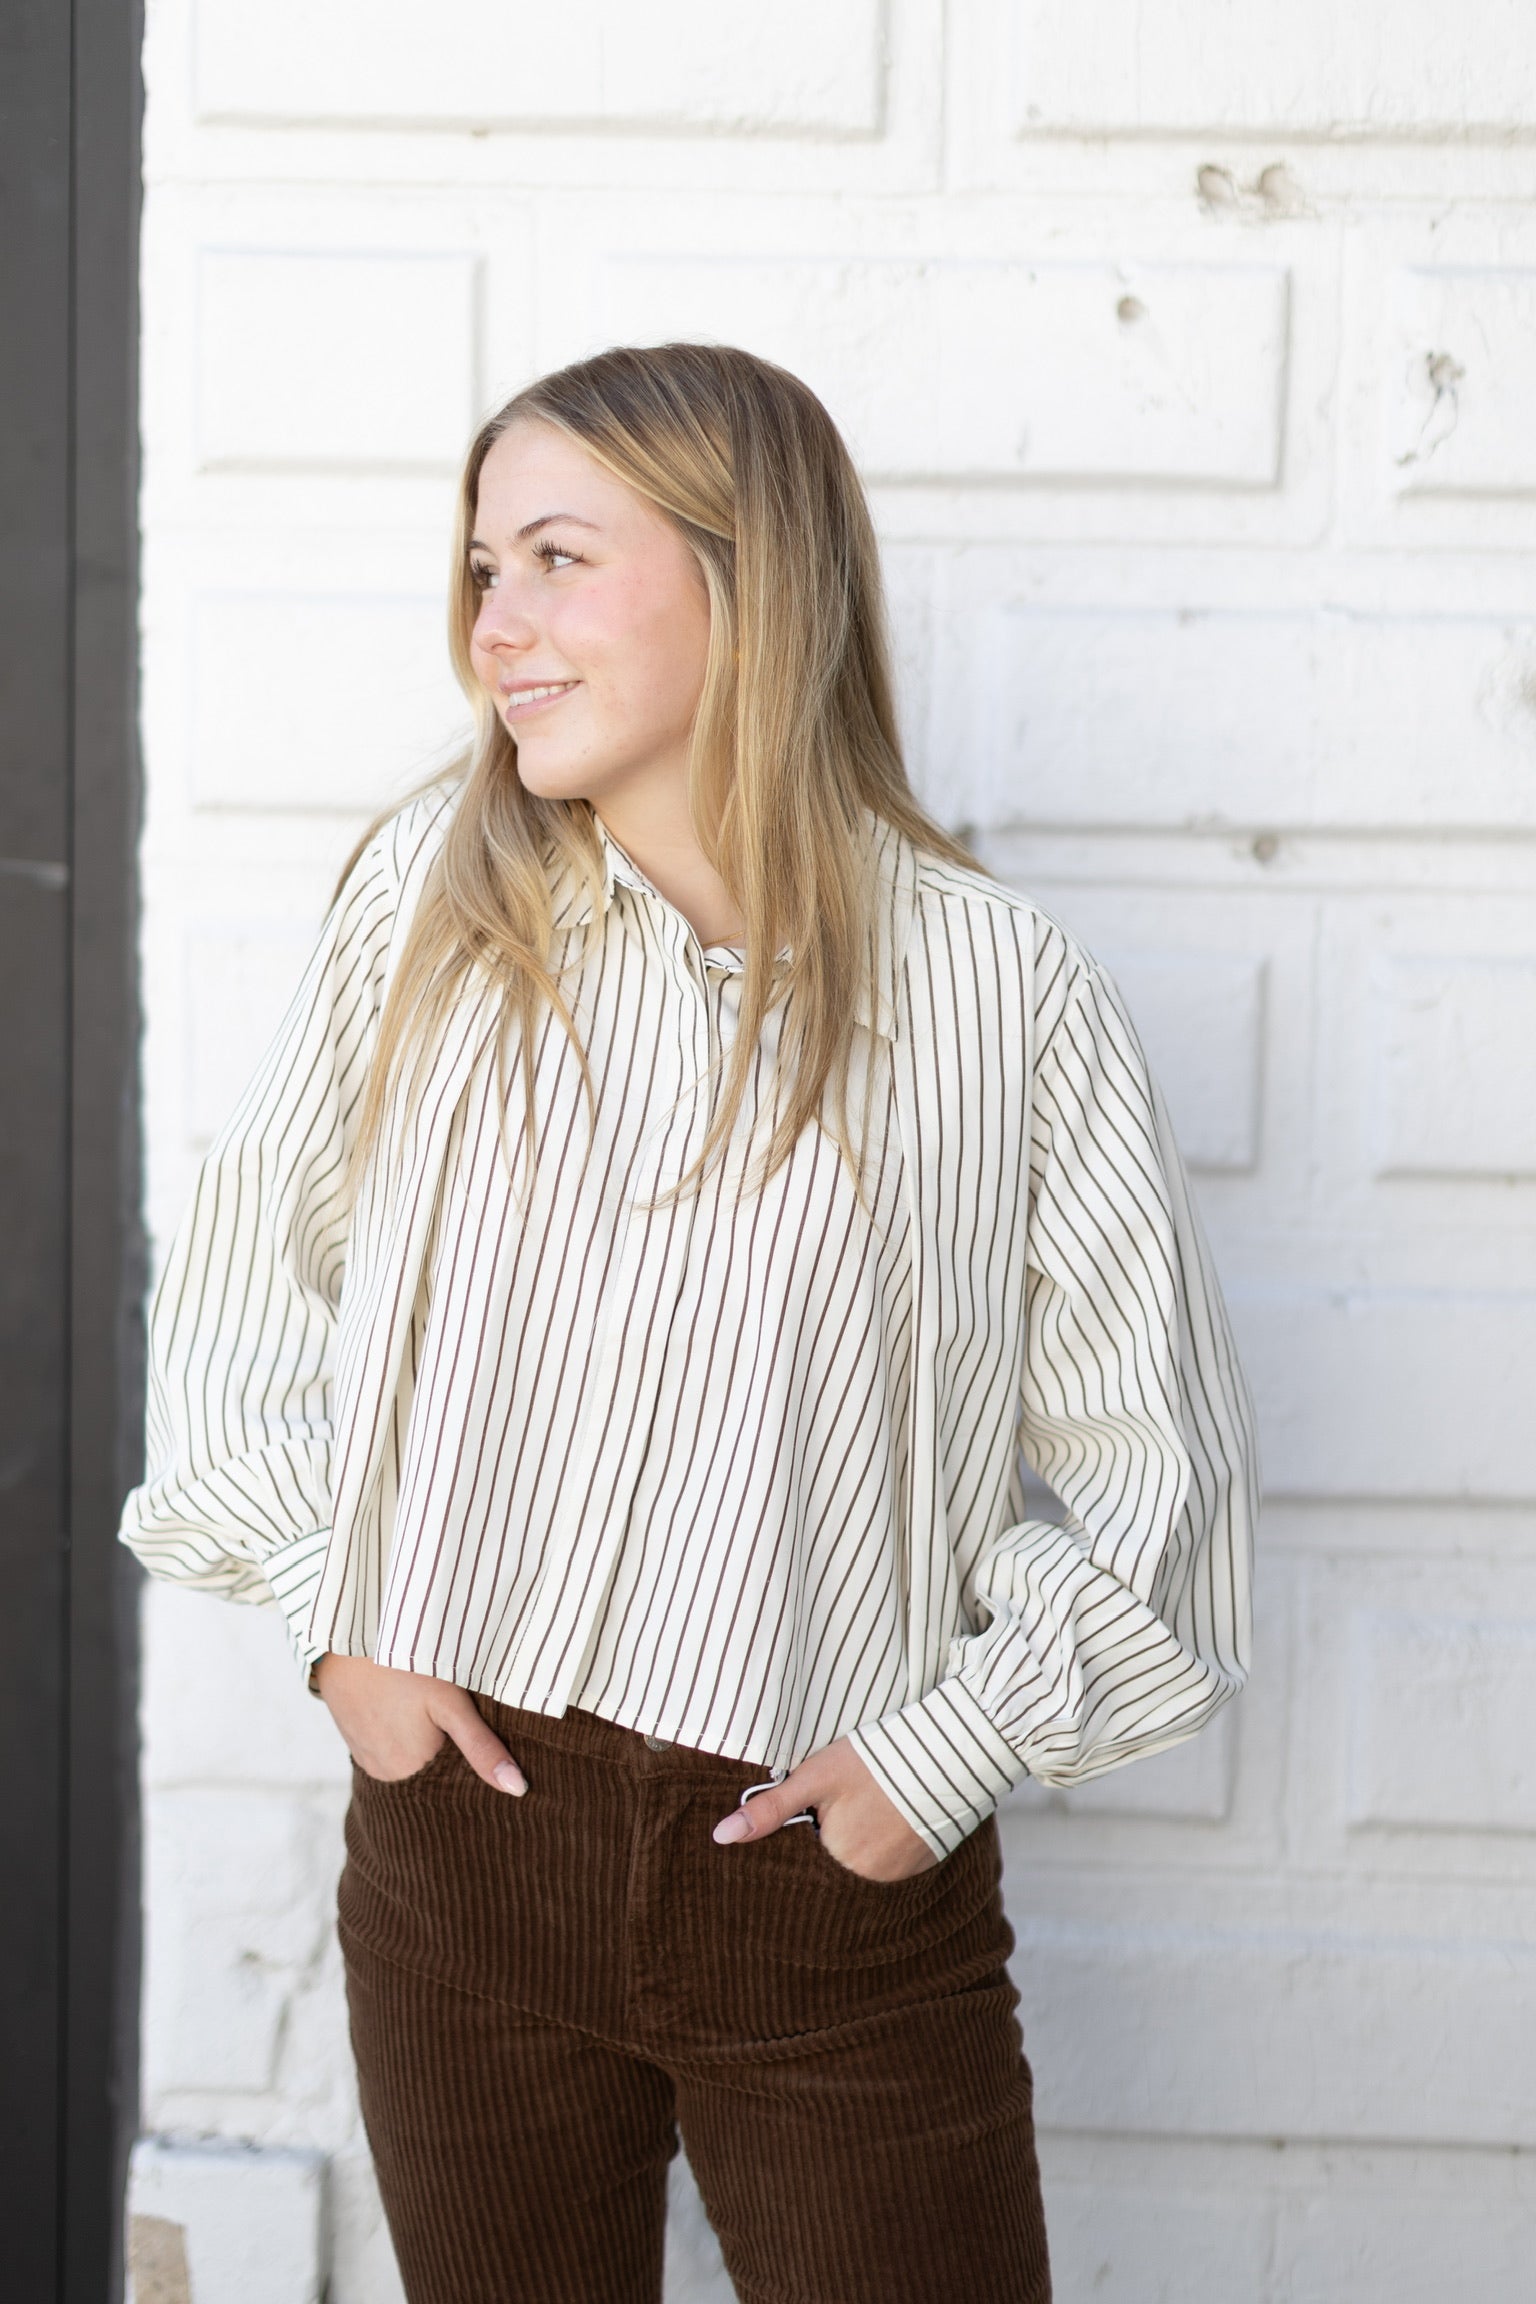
x,y
522,703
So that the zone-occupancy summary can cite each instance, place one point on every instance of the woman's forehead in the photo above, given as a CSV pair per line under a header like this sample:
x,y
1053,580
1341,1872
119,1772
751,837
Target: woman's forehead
x,y
529,450
534,473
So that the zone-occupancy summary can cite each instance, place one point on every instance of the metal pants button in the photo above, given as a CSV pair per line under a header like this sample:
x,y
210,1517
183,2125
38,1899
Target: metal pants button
x,y
657,1744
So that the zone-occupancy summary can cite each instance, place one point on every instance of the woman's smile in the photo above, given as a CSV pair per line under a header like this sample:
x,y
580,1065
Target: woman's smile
x,y
531,696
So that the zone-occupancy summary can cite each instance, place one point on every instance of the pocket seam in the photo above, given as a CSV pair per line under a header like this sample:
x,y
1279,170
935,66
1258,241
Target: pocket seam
x,y
417,1775
881,1888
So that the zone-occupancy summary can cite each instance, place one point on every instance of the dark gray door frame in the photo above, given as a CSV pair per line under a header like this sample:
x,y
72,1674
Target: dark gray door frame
x,y
70,1256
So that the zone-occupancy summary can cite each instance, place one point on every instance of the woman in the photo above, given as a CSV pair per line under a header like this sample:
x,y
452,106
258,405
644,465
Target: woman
x,y
684,1190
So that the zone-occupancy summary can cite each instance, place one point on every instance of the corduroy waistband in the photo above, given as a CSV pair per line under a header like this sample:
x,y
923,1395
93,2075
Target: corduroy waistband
x,y
631,1750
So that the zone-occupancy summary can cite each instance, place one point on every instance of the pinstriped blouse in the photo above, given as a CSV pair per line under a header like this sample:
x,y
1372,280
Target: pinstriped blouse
x,y
747,1474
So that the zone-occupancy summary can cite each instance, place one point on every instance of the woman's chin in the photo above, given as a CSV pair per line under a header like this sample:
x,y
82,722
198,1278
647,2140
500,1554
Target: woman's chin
x,y
547,779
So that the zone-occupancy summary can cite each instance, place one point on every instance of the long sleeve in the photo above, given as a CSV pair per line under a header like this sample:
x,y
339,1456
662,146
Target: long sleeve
x,y
241,1330
1122,1631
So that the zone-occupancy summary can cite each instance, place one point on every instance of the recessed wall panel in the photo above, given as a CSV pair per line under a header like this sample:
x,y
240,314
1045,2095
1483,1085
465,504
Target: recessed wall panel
x,y
1418,1393
240,978
1007,371
795,67
355,361
1199,716
1200,1017
330,701
1155,67
1444,1728
1455,1043
1461,381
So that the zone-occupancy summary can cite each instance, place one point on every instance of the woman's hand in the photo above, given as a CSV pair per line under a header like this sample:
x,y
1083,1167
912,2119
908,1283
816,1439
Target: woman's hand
x,y
393,1723
859,1826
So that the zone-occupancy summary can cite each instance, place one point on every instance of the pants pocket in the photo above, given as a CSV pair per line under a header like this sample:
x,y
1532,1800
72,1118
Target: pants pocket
x,y
437,1765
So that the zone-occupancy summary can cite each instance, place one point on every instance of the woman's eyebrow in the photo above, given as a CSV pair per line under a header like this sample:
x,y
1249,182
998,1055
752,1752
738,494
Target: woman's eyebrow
x,y
545,518
533,527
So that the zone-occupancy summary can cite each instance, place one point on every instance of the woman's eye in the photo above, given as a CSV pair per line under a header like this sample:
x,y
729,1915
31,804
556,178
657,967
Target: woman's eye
x,y
550,553
480,576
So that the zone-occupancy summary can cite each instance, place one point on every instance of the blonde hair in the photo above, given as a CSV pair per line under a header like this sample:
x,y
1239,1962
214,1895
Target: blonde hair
x,y
794,735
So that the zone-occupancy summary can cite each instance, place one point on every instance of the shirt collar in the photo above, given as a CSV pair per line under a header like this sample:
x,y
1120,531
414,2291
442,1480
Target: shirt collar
x,y
896,872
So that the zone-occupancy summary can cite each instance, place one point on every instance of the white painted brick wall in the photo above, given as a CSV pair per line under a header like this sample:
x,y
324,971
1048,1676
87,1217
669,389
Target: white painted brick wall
x,y
1190,352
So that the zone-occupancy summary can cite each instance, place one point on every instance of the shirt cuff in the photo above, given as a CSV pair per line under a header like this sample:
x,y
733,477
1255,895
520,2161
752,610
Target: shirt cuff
x,y
294,1576
941,1761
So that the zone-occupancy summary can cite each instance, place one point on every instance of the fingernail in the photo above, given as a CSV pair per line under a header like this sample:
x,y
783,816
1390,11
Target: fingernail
x,y
737,1826
509,1777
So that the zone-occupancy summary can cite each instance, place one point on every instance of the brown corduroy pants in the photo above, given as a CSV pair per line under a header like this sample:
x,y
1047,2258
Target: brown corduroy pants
x,y
544,1991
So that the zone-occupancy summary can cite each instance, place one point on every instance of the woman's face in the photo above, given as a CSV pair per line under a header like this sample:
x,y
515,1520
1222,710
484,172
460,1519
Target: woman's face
x,y
593,626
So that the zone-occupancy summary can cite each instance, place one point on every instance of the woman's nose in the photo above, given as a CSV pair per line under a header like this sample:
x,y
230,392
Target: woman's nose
x,y
501,623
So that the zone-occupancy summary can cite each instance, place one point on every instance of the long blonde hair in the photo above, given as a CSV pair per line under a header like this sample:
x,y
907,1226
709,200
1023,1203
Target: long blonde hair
x,y
794,736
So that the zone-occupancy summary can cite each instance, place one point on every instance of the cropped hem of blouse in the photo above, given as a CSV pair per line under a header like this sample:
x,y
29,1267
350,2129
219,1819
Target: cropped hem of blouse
x,y
750,1476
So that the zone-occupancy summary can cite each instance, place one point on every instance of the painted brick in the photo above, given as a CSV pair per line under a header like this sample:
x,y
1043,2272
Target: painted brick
x,y
1144,2222
1141,67
223,1700
1197,716
1405,1393
1230,1030
1461,375
1444,1720
1017,371
1260,2032
1433,449
1147,2229
237,1890
1392,1776
794,68
238,986
1200,1018
1410,2233
355,699
1453,1095
309,359
1418,1139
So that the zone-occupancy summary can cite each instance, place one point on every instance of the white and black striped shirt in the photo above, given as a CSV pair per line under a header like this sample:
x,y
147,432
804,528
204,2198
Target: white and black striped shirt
x,y
745,1474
